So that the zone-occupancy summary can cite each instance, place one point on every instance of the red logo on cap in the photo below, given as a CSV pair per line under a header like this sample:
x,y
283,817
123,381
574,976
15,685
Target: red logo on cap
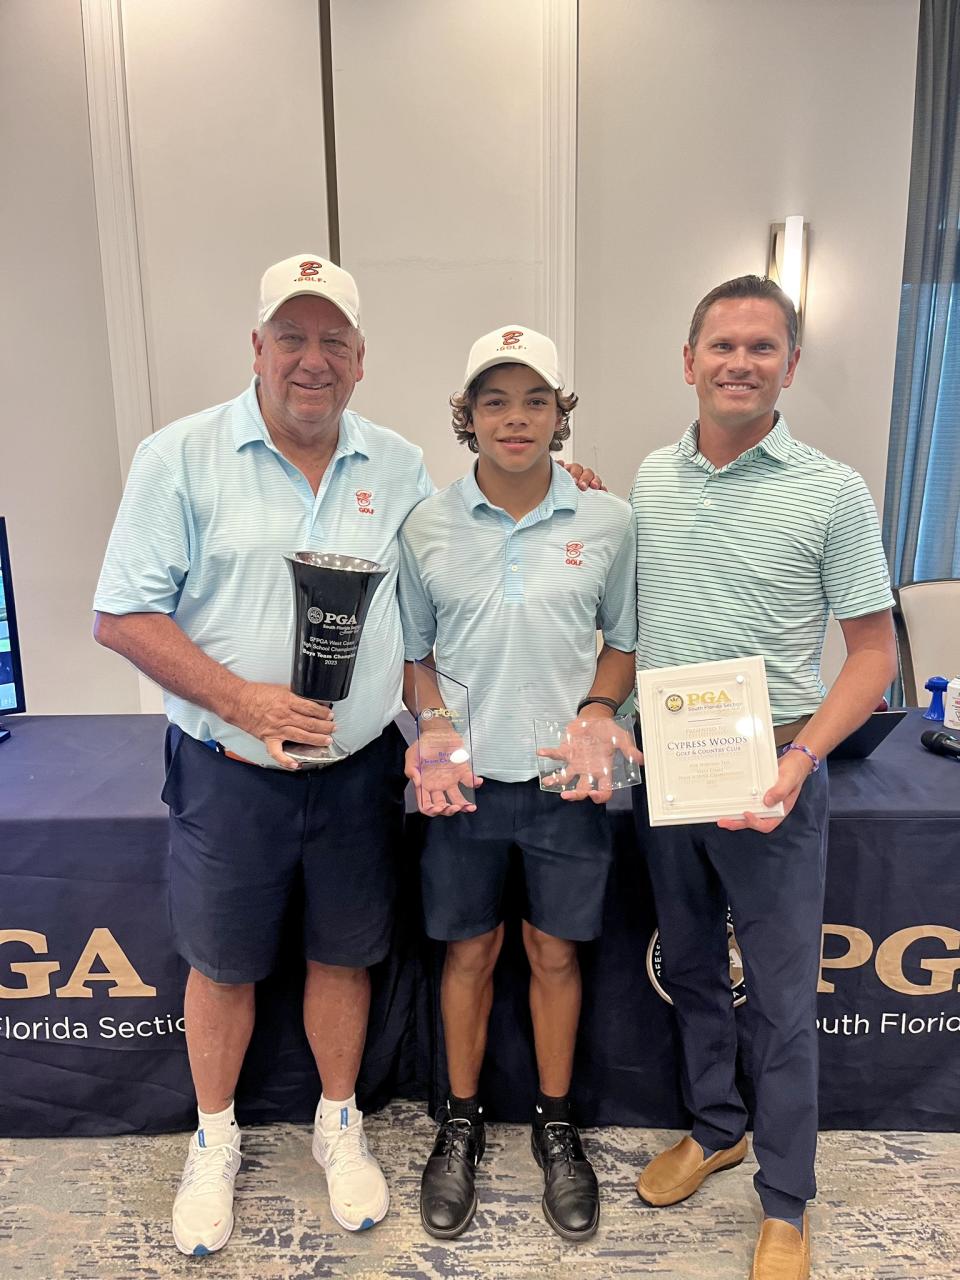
x,y
364,498
512,337
310,268
572,553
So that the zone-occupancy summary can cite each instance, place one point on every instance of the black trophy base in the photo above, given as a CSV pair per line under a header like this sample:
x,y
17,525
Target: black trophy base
x,y
314,757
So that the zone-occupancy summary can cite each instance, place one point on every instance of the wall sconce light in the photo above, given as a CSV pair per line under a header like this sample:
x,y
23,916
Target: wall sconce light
x,y
787,261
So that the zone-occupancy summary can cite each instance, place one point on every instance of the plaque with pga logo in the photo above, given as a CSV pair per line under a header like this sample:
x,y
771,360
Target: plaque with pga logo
x,y
708,741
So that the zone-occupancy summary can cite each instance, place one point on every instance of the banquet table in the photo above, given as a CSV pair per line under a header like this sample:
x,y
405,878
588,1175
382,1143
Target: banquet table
x,y
91,1002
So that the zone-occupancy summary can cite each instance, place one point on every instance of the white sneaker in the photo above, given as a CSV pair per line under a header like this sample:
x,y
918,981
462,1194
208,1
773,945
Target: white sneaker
x,y
357,1189
203,1208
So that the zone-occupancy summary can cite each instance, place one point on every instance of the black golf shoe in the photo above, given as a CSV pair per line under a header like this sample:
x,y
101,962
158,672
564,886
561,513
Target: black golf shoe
x,y
448,1197
571,1197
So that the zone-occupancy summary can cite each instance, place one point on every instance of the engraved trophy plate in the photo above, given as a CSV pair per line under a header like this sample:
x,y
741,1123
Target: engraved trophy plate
x,y
708,744
586,755
444,739
332,594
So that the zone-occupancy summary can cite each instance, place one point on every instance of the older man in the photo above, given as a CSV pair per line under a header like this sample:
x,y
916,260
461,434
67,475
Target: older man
x,y
746,540
194,591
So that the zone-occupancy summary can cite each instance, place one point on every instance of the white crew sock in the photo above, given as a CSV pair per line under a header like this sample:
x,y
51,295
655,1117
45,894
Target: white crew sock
x,y
215,1128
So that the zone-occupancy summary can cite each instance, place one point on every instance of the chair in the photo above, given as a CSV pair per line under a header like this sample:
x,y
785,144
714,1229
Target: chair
x,y
927,619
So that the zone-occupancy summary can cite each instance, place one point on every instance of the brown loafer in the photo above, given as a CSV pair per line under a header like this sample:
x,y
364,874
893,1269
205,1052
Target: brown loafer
x,y
782,1253
676,1173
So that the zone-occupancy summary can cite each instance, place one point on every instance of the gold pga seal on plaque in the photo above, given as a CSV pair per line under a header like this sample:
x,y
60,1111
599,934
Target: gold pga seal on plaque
x,y
708,743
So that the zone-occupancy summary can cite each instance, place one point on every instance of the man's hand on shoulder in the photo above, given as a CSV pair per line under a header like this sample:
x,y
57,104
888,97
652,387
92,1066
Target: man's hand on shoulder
x,y
793,769
584,476
273,714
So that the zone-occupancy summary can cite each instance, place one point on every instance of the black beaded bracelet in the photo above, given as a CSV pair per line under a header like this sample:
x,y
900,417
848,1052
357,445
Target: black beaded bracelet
x,y
604,702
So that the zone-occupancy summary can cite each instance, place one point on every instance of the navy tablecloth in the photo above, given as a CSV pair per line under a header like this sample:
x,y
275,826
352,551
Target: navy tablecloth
x,y
91,991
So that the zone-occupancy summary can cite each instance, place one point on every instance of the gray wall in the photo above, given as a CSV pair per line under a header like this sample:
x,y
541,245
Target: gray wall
x,y
700,123
59,465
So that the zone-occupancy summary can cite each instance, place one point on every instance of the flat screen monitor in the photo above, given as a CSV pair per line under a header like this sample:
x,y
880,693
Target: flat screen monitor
x,y
11,673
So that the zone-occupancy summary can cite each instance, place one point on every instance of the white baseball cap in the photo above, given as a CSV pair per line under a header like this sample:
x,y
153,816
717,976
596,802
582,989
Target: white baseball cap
x,y
513,344
308,273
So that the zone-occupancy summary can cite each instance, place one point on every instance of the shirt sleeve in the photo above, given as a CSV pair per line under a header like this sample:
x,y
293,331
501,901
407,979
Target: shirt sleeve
x,y
854,571
425,486
148,554
417,612
618,607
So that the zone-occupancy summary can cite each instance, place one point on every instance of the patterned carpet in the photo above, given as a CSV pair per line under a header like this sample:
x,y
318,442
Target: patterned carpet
x,y
90,1209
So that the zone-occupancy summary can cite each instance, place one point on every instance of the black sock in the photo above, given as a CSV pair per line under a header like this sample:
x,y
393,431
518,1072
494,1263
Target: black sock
x,y
551,1110
465,1108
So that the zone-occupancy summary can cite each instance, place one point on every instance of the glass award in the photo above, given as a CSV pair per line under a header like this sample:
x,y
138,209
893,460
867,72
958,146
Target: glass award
x,y
444,741
586,755
708,745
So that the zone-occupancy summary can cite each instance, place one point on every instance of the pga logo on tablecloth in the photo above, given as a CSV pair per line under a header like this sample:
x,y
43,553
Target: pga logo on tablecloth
x,y
737,984
921,960
102,960
572,553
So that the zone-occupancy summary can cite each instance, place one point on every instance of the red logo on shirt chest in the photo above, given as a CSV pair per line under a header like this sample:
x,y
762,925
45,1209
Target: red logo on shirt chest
x,y
364,499
572,553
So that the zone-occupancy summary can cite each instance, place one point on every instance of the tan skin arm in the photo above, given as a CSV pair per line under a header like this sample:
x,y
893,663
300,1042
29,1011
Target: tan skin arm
x,y
420,679
614,679
159,648
870,665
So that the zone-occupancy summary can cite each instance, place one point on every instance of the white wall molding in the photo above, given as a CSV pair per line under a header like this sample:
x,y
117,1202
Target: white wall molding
x,y
558,185
119,245
117,222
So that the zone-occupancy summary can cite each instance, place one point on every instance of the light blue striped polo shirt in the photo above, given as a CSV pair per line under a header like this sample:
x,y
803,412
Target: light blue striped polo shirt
x,y
752,557
513,607
209,508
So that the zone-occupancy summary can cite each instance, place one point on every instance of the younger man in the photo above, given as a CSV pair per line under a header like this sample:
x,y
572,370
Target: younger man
x,y
749,539
508,573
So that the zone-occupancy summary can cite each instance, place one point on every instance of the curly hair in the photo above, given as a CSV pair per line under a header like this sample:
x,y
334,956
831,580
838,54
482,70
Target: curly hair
x,y
463,404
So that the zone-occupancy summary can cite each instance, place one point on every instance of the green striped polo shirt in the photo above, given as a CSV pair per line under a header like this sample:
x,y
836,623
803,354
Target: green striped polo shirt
x,y
752,557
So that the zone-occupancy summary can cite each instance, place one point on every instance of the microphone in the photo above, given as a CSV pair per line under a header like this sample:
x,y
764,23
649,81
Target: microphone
x,y
941,744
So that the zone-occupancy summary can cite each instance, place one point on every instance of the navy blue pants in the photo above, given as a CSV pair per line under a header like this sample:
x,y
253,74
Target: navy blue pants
x,y
774,887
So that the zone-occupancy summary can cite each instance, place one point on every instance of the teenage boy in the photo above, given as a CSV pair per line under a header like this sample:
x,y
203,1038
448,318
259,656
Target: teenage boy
x,y
507,575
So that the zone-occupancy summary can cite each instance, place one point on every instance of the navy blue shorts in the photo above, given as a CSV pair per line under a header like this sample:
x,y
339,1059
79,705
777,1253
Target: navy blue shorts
x,y
242,839
565,846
